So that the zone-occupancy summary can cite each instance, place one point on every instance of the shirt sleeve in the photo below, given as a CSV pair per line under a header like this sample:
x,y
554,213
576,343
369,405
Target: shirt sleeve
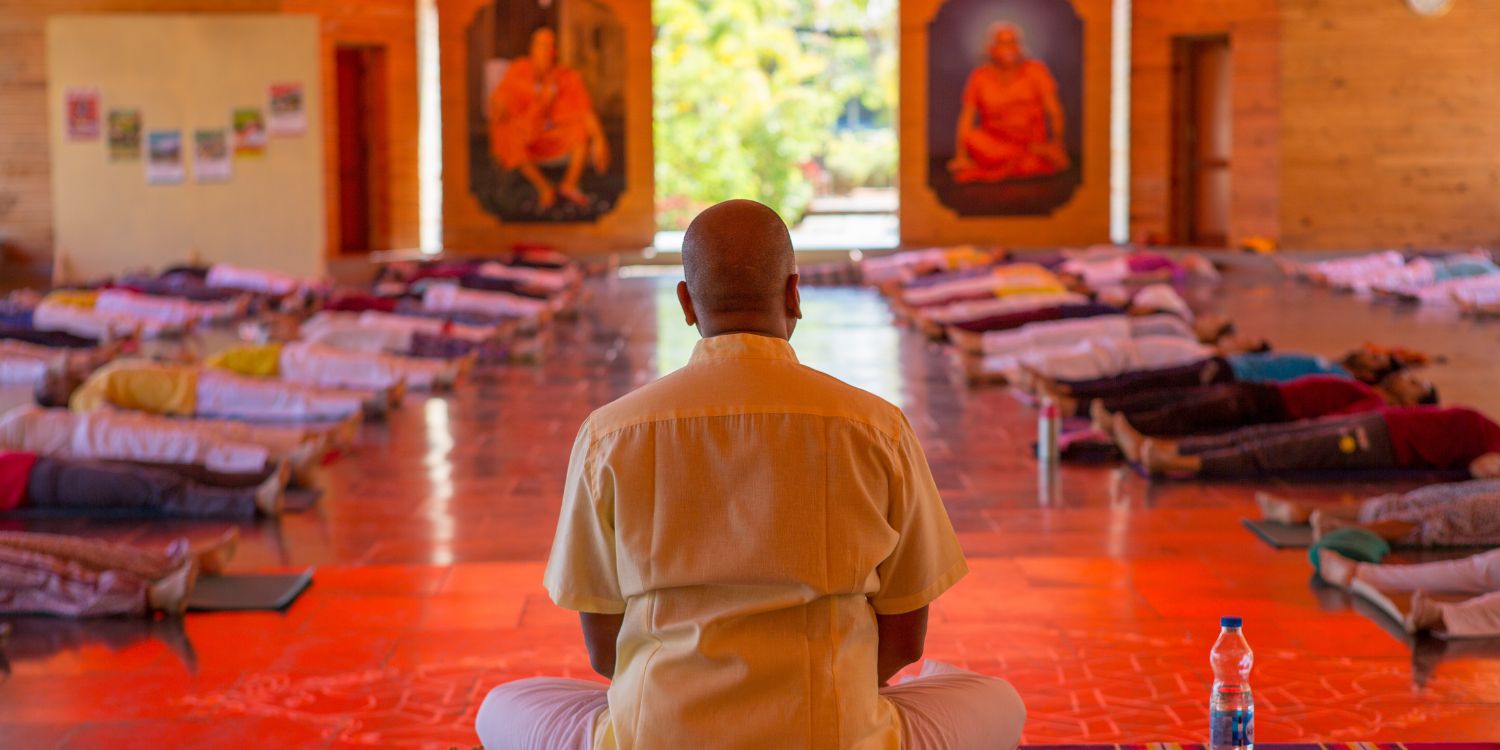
x,y
927,559
581,571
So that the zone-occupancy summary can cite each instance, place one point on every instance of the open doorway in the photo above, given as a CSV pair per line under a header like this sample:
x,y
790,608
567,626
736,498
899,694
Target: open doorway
x,y
792,104
363,206
1201,140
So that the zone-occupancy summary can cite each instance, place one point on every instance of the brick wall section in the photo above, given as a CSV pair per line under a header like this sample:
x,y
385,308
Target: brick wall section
x,y
25,172
1253,27
1390,125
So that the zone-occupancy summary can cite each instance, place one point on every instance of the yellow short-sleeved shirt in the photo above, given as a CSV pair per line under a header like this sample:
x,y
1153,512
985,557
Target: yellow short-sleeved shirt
x,y
749,517
140,386
255,360
82,298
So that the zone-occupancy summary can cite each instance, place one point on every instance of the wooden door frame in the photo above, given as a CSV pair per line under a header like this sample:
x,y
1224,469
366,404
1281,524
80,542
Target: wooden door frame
x,y
374,63
1182,189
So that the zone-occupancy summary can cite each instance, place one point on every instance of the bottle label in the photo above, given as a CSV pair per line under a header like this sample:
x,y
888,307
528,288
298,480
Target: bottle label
x,y
1231,729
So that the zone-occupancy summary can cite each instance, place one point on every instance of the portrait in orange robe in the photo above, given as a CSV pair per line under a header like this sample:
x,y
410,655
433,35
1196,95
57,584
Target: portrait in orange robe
x,y
540,114
1011,124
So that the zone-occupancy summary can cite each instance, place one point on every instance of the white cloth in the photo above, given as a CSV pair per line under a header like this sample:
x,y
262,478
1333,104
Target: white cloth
x,y
96,324
226,276
23,363
1097,272
345,331
1101,358
453,298
325,366
1164,298
945,708
959,312
902,266
1345,270
224,394
1479,576
1058,333
129,436
171,311
540,278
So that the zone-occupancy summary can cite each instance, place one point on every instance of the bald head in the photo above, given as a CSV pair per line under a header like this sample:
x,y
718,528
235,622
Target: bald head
x,y
737,257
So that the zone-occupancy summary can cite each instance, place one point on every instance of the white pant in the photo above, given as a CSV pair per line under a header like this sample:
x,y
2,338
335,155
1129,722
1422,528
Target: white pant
x,y
539,278
1056,333
1103,358
223,394
1478,575
959,312
22,363
95,324
168,310
946,708
453,298
130,436
328,367
225,276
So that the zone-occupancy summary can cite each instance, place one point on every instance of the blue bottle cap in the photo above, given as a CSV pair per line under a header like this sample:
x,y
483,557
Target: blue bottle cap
x,y
1230,622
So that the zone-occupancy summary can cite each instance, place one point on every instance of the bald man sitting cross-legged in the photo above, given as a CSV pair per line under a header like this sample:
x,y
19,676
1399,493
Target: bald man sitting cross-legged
x,y
752,546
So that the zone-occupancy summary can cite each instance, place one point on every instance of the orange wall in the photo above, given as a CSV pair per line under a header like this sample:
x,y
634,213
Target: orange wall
x,y
26,213
1390,125
1253,27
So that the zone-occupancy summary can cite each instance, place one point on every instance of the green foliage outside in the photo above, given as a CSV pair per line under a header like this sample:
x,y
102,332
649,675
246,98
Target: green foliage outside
x,y
748,95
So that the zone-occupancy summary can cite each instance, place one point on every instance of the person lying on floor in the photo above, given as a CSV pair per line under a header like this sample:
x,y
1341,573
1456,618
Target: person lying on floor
x,y
964,322
1128,266
1339,270
1423,271
908,265
1416,438
1007,280
328,367
71,576
1474,580
217,445
31,481
1442,292
259,281
75,312
1451,514
450,297
27,364
177,390
1092,359
1154,310
1166,412
386,333
1367,365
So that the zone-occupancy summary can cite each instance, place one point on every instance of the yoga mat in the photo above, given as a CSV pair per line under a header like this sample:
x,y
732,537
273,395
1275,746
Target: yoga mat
x,y
1281,535
298,500
1424,476
248,592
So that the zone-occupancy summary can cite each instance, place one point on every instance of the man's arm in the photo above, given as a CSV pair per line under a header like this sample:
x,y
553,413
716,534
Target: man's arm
x,y
901,640
601,632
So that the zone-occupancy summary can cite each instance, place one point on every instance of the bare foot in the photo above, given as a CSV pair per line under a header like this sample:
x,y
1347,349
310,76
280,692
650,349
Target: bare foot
x,y
1324,522
270,496
1160,458
1335,569
1129,439
169,595
213,558
1424,614
546,198
967,341
1103,419
1281,510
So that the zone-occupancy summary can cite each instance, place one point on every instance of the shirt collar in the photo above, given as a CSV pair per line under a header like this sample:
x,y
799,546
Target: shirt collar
x,y
742,346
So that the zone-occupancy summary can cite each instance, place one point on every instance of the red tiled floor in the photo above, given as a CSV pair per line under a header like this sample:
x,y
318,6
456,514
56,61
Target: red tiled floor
x,y
1099,604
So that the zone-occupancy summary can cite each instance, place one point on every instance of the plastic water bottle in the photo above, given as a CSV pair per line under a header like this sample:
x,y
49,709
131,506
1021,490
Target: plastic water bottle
x,y
1231,710
1048,430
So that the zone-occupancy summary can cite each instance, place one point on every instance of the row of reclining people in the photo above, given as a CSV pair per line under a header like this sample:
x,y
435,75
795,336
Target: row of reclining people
x,y
1469,280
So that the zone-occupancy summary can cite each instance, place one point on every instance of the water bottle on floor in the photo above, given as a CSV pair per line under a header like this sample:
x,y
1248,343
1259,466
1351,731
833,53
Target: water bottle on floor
x,y
1048,432
1231,710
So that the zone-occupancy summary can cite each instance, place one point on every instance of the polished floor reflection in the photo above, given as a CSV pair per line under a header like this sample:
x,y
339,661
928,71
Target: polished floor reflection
x,y
1099,602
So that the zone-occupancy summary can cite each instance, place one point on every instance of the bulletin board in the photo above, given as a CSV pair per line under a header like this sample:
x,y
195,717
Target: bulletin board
x,y
255,198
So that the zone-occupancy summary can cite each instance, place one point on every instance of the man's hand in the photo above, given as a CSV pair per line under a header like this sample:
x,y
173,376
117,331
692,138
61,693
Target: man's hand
x,y
901,639
600,633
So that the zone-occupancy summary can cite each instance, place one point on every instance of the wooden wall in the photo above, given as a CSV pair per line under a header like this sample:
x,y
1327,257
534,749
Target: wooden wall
x,y
468,227
1083,219
1253,27
26,213
1390,124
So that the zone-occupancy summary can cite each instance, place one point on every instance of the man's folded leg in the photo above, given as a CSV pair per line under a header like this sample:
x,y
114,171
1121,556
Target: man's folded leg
x,y
954,709
542,713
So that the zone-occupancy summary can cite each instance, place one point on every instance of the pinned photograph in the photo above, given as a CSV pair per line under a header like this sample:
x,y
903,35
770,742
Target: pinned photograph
x,y
288,110
124,134
81,112
164,157
211,162
249,131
